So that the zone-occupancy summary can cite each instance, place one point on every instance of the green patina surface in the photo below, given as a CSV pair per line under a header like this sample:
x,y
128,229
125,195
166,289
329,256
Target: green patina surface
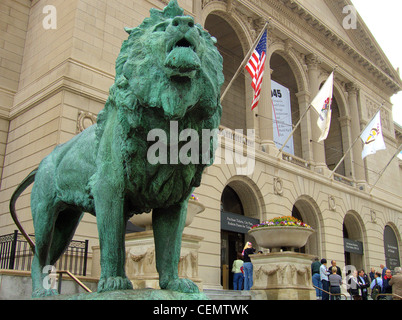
x,y
168,70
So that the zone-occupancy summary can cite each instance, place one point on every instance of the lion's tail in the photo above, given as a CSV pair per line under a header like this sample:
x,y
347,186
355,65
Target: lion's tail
x,y
20,189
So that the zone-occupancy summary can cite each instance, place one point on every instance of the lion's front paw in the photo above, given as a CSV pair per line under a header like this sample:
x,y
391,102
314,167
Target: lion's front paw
x,y
182,285
114,284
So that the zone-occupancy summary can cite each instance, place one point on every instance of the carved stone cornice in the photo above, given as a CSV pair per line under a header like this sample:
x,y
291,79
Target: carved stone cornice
x,y
352,88
324,34
312,60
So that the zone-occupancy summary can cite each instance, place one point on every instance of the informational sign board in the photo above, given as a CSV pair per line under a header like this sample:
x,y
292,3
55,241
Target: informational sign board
x,y
391,248
282,116
353,246
236,222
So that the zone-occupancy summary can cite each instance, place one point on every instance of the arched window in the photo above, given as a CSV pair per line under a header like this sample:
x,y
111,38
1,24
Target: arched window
x,y
229,46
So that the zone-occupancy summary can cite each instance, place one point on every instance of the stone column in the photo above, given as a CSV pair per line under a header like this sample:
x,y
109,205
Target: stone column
x,y
356,155
304,99
318,148
345,123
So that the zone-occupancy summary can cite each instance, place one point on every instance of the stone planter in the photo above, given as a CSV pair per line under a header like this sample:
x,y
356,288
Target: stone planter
x,y
276,237
144,220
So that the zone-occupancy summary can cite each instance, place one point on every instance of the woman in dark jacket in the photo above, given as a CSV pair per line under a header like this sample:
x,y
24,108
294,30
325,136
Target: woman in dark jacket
x,y
248,266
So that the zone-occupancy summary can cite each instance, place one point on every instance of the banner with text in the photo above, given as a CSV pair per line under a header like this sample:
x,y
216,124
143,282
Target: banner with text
x,y
282,116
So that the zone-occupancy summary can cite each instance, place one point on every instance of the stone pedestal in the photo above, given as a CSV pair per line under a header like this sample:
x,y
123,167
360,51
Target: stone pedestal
x,y
282,276
141,264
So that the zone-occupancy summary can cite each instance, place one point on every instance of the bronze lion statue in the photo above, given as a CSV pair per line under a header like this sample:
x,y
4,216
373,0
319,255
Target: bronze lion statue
x,y
168,70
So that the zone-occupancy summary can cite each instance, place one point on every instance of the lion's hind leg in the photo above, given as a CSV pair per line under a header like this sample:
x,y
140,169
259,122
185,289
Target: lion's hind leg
x,y
44,221
53,232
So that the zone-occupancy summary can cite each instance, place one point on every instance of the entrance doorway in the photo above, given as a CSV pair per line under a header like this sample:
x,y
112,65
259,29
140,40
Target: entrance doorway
x,y
353,242
235,225
232,244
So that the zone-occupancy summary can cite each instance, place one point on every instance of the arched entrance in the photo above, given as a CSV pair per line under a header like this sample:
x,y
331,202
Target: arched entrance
x,y
306,210
235,222
391,248
353,241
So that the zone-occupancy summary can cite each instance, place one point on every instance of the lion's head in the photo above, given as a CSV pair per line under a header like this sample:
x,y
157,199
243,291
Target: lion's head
x,y
170,63
168,70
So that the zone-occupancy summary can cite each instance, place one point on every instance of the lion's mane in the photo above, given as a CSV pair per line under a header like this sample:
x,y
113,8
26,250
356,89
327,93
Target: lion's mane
x,y
143,98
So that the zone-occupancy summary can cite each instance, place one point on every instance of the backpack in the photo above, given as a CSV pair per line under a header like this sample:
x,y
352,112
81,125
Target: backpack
x,y
376,291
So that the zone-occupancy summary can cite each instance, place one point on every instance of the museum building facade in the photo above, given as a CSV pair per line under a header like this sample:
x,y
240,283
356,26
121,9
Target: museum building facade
x,y
57,62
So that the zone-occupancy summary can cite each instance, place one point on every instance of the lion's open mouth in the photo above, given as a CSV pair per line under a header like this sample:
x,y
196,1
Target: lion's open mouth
x,y
182,61
182,43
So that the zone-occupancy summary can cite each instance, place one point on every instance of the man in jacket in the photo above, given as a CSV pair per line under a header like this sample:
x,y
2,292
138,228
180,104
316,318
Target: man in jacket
x,y
363,280
396,283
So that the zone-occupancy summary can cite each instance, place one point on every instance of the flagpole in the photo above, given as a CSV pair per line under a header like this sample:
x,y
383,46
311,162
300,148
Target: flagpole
x,y
245,61
357,138
293,131
298,123
385,168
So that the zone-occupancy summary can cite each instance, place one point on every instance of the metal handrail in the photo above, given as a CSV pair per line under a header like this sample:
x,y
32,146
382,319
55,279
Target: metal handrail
x,y
72,277
332,294
388,294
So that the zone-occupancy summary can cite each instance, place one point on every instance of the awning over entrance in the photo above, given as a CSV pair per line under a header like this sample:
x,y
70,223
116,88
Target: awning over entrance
x,y
236,223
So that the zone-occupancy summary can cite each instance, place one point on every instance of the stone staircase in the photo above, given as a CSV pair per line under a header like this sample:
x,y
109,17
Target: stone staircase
x,y
215,294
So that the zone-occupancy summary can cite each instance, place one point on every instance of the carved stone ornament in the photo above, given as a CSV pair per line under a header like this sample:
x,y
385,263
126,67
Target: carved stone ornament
x,y
373,215
278,186
85,120
332,203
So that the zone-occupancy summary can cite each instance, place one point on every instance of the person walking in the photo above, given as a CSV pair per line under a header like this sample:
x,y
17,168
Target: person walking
x,y
384,269
363,280
248,266
354,286
376,286
396,283
315,273
333,265
372,274
335,282
238,273
324,279
386,286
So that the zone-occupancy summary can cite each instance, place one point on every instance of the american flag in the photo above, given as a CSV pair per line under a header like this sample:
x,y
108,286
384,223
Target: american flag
x,y
255,67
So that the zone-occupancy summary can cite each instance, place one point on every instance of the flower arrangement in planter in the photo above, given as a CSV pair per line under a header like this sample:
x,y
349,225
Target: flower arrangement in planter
x,y
285,221
193,197
281,232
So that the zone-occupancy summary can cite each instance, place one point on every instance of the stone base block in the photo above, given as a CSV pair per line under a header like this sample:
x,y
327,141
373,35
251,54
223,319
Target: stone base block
x,y
282,276
141,263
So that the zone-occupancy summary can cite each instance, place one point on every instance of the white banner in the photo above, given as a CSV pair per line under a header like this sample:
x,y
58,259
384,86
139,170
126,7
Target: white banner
x,y
372,137
282,116
322,104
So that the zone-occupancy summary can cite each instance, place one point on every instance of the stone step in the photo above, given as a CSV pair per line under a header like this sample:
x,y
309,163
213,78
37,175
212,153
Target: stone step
x,y
216,294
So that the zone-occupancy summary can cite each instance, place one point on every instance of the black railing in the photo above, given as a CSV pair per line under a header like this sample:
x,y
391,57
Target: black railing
x,y
16,254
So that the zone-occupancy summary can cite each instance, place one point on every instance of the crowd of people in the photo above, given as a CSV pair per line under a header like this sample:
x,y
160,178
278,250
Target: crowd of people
x,y
328,280
360,286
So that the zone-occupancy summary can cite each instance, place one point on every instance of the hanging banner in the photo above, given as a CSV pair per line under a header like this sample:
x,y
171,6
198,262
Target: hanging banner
x,y
282,116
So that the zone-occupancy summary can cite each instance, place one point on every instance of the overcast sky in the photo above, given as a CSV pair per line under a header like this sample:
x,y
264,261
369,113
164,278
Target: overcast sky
x,y
384,19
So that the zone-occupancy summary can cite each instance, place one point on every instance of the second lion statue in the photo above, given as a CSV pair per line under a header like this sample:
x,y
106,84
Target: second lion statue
x,y
168,70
